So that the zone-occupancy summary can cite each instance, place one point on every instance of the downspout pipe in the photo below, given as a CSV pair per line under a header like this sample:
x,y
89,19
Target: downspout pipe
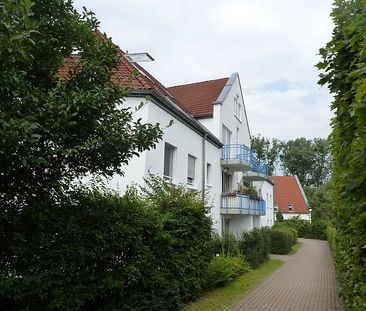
x,y
203,190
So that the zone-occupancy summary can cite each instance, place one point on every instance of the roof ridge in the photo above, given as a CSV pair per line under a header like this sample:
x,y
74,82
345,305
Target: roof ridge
x,y
199,82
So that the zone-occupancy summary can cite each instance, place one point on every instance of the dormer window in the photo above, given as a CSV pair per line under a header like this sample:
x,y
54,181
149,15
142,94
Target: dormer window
x,y
290,208
238,107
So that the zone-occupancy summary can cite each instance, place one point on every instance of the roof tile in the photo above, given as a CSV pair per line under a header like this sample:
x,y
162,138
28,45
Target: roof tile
x,y
198,98
287,191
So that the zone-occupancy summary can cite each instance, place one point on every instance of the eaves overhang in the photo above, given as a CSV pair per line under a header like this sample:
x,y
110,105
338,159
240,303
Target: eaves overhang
x,y
173,109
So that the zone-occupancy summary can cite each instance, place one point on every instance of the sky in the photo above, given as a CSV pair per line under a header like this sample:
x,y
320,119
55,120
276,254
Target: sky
x,y
272,44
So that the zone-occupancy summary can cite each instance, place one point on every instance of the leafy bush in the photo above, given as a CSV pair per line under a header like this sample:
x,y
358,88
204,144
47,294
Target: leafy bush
x,y
302,226
255,245
290,229
224,269
279,216
282,240
343,71
226,245
97,251
319,229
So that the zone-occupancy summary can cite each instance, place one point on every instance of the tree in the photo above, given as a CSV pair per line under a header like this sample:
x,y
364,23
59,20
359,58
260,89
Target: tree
x,y
320,202
267,150
308,159
61,118
343,69
55,127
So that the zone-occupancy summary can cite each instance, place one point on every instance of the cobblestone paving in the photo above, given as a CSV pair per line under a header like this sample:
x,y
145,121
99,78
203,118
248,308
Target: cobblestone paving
x,y
307,281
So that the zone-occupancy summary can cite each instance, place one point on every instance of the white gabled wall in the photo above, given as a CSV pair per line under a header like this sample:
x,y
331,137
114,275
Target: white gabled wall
x,y
227,114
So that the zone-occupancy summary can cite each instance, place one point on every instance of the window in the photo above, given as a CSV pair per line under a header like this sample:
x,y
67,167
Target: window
x,y
208,174
226,135
168,161
290,207
237,107
191,169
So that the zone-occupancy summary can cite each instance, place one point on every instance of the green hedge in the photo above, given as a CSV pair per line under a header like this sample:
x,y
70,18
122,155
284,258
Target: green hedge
x,y
319,229
98,251
343,70
282,240
315,230
255,245
224,269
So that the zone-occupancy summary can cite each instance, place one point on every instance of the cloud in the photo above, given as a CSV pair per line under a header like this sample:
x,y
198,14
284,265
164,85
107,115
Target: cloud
x,y
272,44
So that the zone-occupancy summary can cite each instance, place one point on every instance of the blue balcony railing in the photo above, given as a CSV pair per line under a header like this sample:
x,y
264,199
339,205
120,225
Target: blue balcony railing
x,y
242,204
243,154
236,152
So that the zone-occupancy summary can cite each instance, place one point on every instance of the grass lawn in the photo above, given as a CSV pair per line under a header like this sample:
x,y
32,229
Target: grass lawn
x,y
224,297
295,248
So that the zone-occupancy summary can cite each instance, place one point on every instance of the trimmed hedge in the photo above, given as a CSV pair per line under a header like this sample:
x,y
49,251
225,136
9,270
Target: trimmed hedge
x,y
97,251
282,240
315,230
224,269
255,245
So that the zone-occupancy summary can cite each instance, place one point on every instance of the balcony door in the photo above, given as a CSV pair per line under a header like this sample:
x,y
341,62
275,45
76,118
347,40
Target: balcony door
x,y
226,140
226,182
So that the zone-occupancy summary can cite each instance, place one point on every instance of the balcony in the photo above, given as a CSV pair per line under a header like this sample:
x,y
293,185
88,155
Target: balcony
x,y
242,205
241,158
236,157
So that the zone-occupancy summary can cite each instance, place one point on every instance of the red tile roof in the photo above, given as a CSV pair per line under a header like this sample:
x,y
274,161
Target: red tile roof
x,y
198,98
287,191
126,74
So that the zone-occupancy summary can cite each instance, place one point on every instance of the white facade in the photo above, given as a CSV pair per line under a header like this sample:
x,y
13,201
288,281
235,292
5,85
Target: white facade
x,y
194,151
266,189
295,215
186,142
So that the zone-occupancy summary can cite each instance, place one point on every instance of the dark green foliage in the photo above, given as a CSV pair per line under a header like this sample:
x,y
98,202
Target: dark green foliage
x,y
255,245
319,230
224,269
308,159
227,245
302,226
282,240
267,150
344,71
54,128
320,201
304,229
279,216
190,250
98,251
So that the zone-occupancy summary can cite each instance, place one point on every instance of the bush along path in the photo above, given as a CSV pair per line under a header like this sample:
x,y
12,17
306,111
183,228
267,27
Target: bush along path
x,y
307,281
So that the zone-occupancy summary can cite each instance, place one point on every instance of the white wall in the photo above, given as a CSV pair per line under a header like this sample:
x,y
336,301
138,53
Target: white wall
x,y
266,189
135,170
293,215
228,118
240,223
187,141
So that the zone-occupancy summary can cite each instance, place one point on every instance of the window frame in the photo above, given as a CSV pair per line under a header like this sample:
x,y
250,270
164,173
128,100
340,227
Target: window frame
x,y
173,149
208,174
191,179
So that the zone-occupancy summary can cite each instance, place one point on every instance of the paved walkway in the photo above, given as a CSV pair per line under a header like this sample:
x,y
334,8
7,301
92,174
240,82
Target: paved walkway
x,y
306,281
